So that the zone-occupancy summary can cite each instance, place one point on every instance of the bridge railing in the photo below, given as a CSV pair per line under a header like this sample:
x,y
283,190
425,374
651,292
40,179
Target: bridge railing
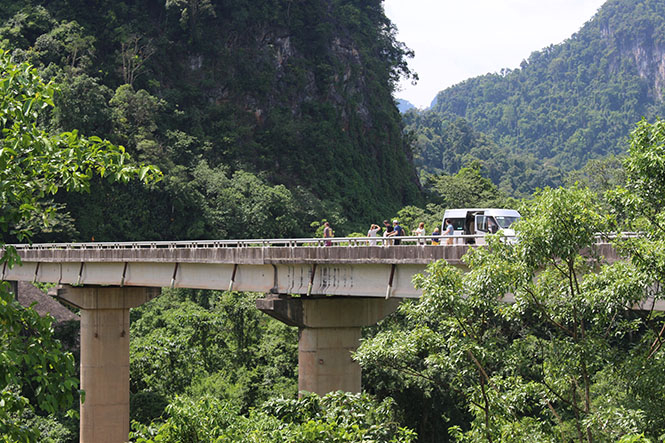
x,y
282,242
245,243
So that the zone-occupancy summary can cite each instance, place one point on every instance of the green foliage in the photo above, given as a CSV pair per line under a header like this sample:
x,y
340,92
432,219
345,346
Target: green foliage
x,y
600,176
25,26
35,373
640,203
66,45
466,189
565,361
444,144
243,205
208,343
82,104
339,417
298,94
134,118
35,164
191,14
50,429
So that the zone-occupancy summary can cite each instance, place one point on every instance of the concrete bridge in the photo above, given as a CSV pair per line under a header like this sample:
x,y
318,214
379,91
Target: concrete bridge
x,y
340,289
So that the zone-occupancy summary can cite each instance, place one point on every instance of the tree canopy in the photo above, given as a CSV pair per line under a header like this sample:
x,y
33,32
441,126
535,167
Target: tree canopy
x,y
35,374
543,339
296,94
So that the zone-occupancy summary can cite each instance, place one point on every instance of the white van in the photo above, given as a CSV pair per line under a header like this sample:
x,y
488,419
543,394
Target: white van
x,y
479,221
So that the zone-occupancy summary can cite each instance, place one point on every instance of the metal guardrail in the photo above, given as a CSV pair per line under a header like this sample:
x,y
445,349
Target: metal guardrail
x,y
276,242
245,243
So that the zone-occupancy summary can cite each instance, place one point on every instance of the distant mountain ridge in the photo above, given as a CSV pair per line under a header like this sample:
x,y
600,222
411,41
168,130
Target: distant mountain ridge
x,y
404,105
565,105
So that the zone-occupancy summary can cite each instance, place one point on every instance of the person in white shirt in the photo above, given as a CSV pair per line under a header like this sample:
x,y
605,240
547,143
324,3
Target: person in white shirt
x,y
373,230
420,231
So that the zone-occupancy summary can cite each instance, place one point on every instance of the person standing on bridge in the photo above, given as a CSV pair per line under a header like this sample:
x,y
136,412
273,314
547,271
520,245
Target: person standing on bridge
x,y
436,236
327,233
419,232
373,230
450,231
387,233
398,231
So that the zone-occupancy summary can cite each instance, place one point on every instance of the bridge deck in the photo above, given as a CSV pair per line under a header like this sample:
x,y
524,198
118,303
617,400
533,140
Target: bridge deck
x,y
351,267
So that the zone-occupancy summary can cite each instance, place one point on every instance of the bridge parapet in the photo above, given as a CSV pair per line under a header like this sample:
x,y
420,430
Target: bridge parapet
x,y
407,254
357,269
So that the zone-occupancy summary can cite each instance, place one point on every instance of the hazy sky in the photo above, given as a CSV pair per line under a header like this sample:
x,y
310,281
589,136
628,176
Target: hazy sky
x,y
457,39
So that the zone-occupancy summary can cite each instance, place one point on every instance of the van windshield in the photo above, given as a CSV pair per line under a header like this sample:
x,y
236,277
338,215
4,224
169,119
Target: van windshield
x,y
505,222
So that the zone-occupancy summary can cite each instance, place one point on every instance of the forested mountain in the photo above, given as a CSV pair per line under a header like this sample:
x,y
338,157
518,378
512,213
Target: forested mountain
x,y
565,105
267,115
264,115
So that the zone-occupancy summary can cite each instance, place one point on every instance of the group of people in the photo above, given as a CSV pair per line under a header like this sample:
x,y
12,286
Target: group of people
x,y
393,231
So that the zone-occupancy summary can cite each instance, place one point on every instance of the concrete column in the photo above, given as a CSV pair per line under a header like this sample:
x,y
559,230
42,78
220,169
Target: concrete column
x,y
324,360
329,331
105,357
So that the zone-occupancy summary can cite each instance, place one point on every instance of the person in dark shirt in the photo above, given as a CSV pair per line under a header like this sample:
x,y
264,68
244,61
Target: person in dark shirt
x,y
436,236
398,231
388,232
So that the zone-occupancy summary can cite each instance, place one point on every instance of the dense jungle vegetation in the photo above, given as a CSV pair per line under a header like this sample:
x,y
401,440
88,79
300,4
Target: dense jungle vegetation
x,y
566,104
265,117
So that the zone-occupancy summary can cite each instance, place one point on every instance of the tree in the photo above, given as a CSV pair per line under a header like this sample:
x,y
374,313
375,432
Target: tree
x,y
208,343
641,205
466,189
34,164
335,417
134,119
241,203
566,360
599,175
66,45
33,367
134,53
82,103
191,13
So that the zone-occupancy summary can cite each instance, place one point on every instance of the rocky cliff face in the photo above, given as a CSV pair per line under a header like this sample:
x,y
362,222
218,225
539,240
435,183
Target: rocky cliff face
x,y
650,63
644,52
634,31
314,81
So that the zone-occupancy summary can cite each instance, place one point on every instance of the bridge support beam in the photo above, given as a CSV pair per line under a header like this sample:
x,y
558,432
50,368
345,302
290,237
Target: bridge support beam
x,y
329,331
105,357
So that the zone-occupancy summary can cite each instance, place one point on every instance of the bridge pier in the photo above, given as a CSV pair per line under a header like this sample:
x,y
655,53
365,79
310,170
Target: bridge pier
x,y
329,331
105,357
